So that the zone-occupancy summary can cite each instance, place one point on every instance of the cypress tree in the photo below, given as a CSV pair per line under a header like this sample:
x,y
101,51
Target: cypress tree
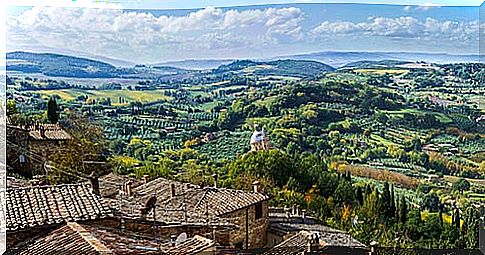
x,y
368,190
392,207
441,217
52,113
456,218
403,210
385,204
359,195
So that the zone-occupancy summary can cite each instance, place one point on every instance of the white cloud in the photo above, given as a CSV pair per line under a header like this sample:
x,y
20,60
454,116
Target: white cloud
x,y
107,30
402,27
423,7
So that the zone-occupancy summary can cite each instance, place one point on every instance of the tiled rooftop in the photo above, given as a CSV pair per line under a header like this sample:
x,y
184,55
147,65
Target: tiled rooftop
x,y
81,239
109,185
190,203
70,239
36,206
294,245
42,131
50,132
193,245
280,223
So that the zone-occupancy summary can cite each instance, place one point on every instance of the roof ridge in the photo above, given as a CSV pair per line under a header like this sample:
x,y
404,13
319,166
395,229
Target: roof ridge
x,y
90,239
49,186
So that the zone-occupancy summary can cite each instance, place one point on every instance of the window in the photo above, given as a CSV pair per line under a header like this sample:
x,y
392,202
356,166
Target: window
x,y
258,211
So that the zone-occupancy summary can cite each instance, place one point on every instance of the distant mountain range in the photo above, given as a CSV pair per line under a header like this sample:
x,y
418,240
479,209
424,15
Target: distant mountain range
x,y
197,64
289,67
304,65
58,65
337,58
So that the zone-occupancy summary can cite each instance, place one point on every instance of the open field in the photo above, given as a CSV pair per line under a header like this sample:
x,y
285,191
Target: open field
x,y
382,71
440,116
113,95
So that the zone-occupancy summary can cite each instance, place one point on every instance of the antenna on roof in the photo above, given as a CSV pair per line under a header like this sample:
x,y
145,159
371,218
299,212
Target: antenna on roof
x,y
181,238
149,205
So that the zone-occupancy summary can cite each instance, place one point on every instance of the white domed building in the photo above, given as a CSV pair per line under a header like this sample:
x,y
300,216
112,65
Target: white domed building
x,y
259,140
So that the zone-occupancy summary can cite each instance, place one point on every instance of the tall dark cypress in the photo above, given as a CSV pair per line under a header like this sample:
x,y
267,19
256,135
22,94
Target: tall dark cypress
x,y
52,113
392,207
386,201
441,217
403,210
456,218
359,195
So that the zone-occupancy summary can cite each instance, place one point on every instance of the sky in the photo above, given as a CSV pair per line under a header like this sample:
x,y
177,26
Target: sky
x,y
169,31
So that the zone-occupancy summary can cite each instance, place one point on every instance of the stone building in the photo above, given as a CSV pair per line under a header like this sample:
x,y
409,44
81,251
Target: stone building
x,y
28,147
232,218
291,231
259,140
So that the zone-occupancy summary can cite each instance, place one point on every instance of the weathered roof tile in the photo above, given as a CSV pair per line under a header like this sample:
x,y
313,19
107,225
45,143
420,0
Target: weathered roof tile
x,y
29,207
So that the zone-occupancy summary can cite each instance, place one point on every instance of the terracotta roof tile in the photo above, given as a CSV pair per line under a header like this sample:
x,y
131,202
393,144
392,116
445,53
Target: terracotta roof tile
x,y
280,224
193,245
109,184
35,206
190,204
70,239
48,132
42,131
294,245
77,238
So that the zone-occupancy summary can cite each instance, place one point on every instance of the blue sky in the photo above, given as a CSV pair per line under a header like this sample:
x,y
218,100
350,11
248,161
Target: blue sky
x,y
164,32
186,4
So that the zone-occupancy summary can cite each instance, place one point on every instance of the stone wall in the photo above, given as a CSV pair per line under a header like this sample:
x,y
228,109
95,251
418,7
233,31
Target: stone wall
x,y
164,232
18,142
252,233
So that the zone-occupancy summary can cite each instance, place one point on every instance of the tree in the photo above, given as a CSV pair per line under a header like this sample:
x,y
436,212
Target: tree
x,y
385,202
87,144
403,210
431,202
344,194
470,227
11,107
461,185
52,111
457,218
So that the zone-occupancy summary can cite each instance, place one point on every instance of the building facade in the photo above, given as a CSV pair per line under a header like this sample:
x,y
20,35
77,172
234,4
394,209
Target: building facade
x,y
30,146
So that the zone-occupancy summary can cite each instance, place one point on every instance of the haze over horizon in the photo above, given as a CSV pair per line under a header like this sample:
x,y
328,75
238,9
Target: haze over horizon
x,y
248,32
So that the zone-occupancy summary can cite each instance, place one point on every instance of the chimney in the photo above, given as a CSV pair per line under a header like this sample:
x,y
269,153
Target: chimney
x,y
128,190
256,186
373,245
42,131
146,178
215,180
173,240
313,244
288,215
172,189
93,178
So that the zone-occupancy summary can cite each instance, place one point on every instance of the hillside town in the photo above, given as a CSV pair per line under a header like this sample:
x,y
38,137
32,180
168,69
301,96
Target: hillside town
x,y
117,214
295,128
